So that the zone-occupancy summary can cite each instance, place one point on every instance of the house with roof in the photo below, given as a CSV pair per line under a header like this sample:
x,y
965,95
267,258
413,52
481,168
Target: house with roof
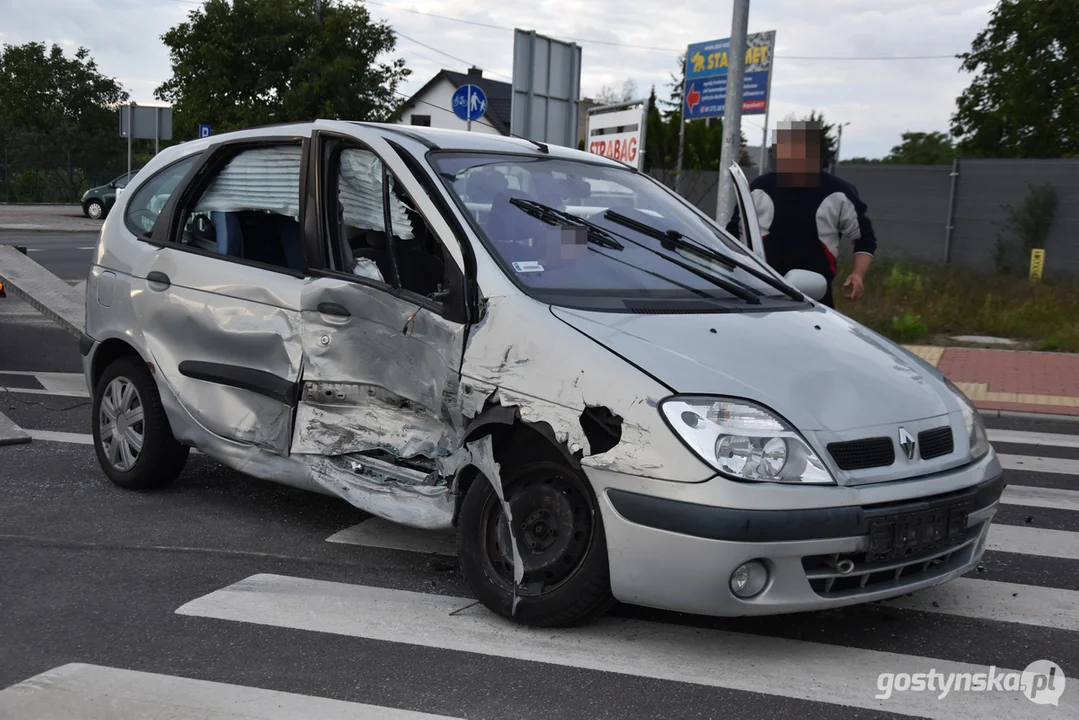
x,y
430,106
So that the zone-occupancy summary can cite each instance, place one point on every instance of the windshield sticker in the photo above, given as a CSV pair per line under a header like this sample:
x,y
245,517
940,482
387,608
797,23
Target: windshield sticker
x,y
528,266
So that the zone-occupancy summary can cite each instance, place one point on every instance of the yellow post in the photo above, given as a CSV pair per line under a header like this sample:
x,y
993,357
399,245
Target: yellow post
x,y
1037,264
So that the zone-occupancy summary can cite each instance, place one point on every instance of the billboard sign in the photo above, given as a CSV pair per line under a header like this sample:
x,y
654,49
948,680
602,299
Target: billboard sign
x,y
705,93
546,89
617,131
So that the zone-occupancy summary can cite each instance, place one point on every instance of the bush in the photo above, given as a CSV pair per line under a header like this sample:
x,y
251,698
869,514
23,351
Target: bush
x,y
911,302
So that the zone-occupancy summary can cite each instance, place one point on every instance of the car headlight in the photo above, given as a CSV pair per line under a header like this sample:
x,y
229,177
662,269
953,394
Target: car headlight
x,y
744,441
979,439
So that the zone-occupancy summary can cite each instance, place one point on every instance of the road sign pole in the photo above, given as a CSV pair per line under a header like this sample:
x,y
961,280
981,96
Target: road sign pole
x,y
681,130
130,132
732,114
468,127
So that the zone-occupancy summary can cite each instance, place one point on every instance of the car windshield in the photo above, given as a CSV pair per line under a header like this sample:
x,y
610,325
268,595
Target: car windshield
x,y
590,235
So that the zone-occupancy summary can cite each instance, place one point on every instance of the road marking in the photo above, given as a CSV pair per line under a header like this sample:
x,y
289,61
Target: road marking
x,y
55,393
87,247
67,383
754,663
1034,541
1032,463
999,601
62,437
380,533
1041,497
11,433
93,692
1033,438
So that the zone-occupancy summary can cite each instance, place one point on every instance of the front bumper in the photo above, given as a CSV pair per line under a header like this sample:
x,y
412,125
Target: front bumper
x,y
674,546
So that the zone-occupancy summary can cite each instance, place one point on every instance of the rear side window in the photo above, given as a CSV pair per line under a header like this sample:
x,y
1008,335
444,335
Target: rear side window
x,y
250,209
149,200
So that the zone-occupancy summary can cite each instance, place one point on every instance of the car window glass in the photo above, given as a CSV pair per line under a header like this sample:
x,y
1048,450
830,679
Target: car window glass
x,y
361,227
121,182
149,199
250,209
558,226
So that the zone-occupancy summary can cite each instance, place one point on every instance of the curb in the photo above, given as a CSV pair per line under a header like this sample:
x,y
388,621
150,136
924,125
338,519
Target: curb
x,y
1017,415
48,230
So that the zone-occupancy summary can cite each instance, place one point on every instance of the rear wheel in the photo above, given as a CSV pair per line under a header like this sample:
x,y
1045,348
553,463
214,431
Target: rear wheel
x,y
563,570
132,437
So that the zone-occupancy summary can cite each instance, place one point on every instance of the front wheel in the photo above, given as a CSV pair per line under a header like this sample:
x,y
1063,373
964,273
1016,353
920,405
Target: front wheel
x,y
564,577
132,437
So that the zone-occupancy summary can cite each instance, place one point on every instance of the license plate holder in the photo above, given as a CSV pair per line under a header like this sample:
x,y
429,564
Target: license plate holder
x,y
914,533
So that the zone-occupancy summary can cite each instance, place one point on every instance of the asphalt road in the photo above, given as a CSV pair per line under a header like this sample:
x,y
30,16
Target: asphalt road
x,y
288,600
65,254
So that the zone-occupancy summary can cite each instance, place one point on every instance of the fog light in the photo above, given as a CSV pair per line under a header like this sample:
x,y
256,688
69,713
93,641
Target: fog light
x,y
749,579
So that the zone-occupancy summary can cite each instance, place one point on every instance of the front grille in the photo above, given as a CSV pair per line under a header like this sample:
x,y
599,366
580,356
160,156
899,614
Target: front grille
x,y
864,578
936,443
862,454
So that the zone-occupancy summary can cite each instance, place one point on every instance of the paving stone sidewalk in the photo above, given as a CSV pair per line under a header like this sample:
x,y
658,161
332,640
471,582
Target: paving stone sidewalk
x,y
1017,381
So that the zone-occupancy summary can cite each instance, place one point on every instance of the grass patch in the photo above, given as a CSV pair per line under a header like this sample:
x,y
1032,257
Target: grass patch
x,y
912,302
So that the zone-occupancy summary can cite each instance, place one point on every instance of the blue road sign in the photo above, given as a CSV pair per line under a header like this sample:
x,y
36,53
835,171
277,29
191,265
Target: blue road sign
x,y
204,131
706,76
469,103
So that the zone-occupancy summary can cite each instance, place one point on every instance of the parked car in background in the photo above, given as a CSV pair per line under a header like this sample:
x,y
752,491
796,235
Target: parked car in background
x,y
97,201
606,395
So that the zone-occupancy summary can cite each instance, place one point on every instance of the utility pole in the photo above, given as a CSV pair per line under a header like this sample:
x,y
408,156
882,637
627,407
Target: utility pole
x,y
732,113
318,10
681,132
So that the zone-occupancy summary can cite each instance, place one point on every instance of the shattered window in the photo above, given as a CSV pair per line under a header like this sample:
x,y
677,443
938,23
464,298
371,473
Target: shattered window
x,y
373,248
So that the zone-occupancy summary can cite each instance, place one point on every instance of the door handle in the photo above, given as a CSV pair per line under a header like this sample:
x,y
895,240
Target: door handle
x,y
329,308
157,277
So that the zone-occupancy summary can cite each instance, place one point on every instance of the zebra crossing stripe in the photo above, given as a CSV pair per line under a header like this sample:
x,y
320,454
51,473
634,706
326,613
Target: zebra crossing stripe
x,y
93,692
1034,541
1031,463
773,666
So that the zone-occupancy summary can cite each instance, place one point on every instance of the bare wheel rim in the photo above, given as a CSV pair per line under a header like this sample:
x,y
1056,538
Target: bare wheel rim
x,y
95,210
121,424
553,526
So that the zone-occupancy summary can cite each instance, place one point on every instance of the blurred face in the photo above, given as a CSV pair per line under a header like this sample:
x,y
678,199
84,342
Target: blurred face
x,y
798,155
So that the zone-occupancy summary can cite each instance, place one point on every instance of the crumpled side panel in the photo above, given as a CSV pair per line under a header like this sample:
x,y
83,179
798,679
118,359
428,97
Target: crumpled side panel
x,y
521,363
385,343
186,324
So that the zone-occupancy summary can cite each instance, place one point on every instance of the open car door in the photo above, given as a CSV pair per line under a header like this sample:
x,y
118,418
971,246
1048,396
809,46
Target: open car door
x,y
812,284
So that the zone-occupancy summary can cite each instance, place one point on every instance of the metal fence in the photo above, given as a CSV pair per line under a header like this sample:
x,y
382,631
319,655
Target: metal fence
x,y
953,214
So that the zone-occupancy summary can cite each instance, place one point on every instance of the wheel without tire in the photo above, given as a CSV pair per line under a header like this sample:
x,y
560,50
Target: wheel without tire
x,y
94,210
560,539
132,437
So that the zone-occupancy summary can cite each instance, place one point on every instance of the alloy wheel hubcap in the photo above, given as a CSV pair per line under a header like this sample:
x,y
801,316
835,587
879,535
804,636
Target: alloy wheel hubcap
x,y
121,424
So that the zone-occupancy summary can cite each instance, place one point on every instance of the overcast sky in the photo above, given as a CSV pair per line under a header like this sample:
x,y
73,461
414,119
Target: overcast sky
x,y
879,98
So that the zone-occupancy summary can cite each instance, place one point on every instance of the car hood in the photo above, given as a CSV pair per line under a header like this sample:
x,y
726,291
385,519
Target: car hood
x,y
816,368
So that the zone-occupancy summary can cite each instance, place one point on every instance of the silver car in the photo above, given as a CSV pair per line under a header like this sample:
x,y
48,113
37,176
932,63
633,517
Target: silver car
x,y
606,395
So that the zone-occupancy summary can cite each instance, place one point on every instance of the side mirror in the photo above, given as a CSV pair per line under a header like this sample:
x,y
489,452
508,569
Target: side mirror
x,y
811,283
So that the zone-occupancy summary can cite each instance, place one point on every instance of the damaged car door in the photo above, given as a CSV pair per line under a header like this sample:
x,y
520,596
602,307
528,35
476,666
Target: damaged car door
x,y
222,279
383,337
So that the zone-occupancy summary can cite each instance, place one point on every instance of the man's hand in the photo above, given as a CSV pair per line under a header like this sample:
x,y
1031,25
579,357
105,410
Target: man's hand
x,y
855,286
855,283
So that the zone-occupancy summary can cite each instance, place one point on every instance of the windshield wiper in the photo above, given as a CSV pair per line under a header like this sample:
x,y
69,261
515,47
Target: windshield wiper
x,y
678,240
553,216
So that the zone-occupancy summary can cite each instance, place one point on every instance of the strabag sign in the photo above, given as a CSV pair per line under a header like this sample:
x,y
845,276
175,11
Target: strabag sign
x,y
617,132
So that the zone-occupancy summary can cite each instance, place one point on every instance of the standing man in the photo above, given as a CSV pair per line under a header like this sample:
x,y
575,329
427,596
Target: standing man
x,y
804,212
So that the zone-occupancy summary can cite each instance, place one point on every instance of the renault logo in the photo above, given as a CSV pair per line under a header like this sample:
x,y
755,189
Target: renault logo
x,y
907,443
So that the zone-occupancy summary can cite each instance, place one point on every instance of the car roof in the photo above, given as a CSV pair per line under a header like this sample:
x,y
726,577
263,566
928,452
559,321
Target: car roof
x,y
432,138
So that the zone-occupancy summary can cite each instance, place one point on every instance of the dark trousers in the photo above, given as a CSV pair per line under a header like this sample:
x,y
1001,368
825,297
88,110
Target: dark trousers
x,y
827,299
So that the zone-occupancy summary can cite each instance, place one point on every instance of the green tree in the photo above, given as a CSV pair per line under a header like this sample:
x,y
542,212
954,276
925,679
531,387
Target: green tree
x,y
253,62
920,148
58,122
1024,99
